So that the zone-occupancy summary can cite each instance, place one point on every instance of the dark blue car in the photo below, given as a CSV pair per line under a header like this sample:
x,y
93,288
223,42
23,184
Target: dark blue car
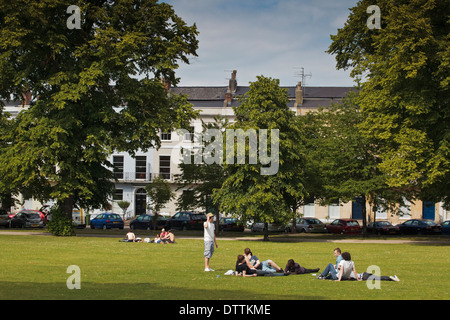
x,y
419,226
446,227
107,221
145,221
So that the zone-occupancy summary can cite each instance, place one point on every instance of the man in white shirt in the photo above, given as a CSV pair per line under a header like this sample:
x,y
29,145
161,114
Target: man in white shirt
x,y
130,237
210,239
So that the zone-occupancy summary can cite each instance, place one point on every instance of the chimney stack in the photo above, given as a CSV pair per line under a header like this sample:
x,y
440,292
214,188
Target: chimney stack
x,y
232,86
231,90
228,97
167,84
298,95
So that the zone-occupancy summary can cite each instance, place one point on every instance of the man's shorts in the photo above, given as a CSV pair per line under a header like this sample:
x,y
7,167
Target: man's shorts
x,y
209,249
267,267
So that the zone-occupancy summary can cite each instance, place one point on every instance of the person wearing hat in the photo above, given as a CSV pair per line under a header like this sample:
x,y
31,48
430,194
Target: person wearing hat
x,y
210,239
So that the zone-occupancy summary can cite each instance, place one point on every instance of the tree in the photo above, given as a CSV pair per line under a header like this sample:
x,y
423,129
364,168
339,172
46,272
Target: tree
x,y
93,90
405,94
348,160
247,192
160,193
124,206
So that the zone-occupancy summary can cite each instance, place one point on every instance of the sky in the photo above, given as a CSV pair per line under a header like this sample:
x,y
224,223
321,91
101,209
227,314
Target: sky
x,y
274,38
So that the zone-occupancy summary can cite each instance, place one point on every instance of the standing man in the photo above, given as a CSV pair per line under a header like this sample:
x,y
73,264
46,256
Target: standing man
x,y
210,239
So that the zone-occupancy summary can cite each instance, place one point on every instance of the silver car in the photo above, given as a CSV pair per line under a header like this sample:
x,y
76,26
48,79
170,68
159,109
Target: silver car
x,y
309,225
272,227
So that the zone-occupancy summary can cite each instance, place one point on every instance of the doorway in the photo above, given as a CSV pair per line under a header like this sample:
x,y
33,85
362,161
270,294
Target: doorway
x,y
140,202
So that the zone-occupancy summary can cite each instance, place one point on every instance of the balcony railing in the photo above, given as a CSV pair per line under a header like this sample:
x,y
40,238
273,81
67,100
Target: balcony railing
x,y
142,177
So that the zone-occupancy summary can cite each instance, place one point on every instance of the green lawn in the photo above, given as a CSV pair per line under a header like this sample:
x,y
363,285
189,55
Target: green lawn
x,y
34,267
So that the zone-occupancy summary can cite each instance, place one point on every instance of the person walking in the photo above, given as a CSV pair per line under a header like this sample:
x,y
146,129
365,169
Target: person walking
x,y
209,237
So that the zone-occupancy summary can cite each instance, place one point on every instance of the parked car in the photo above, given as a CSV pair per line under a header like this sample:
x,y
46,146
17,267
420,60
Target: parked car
x,y
272,227
41,214
383,227
230,224
145,221
445,227
419,226
26,219
186,220
107,221
4,218
309,225
344,226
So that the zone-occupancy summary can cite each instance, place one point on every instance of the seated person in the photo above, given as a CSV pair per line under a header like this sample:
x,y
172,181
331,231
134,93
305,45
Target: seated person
x,y
171,237
243,269
130,237
157,239
347,271
164,235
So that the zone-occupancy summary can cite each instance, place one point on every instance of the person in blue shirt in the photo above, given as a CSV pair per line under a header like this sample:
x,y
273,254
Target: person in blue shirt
x,y
331,271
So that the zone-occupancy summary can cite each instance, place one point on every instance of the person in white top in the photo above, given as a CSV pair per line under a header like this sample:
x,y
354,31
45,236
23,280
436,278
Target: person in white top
x,y
209,237
347,268
130,237
347,271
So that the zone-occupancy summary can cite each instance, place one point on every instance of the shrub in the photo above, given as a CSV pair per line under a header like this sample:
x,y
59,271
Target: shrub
x,y
59,224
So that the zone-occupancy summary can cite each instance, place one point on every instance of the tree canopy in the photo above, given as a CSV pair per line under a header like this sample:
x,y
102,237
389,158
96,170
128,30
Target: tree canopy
x,y
246,191
92,90
404,71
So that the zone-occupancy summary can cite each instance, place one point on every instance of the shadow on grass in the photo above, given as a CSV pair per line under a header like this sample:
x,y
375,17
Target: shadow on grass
x,y
130,291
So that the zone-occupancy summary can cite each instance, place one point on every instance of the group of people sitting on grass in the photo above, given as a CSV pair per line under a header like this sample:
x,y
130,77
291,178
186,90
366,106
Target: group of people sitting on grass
x,y
164,237
248,265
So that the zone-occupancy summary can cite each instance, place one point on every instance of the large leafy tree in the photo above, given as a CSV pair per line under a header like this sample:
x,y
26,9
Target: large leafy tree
x,y
347,160
248,193
404,69
93,90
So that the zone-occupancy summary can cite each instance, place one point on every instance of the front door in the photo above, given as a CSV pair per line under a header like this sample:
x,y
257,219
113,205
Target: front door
x,y
140,203
357,209
428,210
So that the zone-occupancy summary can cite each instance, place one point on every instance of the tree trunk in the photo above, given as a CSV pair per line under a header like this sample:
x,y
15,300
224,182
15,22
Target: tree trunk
x,y
294,217
364,215
216,209
67,206
266,231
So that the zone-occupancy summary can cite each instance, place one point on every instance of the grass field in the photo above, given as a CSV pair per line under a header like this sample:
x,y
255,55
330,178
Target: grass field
x,y
34,267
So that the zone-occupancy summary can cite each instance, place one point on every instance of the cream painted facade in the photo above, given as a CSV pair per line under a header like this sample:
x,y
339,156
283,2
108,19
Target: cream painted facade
x,y
136,173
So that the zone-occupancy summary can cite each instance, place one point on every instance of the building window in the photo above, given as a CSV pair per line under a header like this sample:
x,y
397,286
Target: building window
x,y
405,210
141,167
118,195
118,166
309,210
333,211
166,136
189,136
164,167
